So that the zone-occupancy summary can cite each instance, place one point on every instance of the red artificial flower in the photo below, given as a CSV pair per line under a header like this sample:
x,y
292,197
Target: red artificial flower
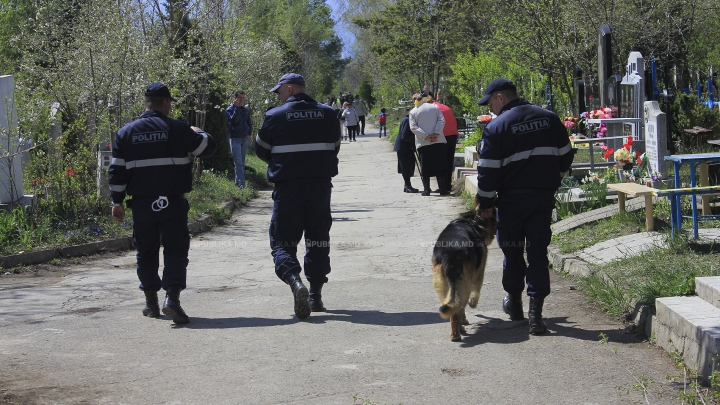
x,y
638,153
609,153
70,171
639,161
629,141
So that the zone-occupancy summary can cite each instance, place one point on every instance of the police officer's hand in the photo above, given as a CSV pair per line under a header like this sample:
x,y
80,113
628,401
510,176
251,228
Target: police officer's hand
x,y
486,213
195,129
118,213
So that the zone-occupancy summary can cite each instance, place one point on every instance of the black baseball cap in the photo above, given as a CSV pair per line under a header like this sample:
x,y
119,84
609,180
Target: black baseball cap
x,y
158,89
289,78
495,86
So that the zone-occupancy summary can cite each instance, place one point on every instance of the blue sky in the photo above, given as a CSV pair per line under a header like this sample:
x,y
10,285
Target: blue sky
x,y
340,28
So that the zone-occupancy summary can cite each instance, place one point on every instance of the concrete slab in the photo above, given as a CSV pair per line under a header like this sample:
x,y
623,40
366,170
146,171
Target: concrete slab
x,y
691,326
618,248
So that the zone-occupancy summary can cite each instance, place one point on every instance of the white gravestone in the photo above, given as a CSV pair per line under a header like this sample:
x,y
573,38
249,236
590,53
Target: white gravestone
x,y
11,182
656,139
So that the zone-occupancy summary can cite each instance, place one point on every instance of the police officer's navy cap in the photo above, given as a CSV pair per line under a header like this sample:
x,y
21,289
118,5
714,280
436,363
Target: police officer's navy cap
x,y
289,78
157,89
495,86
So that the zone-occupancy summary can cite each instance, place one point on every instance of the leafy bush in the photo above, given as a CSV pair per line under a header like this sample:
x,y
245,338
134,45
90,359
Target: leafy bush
x,y
688,112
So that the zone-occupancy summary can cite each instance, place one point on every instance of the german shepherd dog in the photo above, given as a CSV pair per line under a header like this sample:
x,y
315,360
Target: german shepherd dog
x,y
459,259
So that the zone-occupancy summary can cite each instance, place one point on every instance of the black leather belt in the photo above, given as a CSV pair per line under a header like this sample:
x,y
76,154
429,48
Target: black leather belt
x,y
515,191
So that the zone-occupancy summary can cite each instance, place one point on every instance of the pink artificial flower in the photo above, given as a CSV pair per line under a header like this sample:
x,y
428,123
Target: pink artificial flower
x,y
607,110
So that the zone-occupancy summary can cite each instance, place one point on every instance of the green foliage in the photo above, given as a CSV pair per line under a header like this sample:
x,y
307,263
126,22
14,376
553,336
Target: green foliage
x,y
687,113
472,72
414,41
366,93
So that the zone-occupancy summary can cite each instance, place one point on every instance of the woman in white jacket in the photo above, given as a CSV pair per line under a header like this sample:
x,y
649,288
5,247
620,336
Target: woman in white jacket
x,y
351,121
427,122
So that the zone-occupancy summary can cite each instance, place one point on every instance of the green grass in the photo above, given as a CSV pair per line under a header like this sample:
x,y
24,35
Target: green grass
x,y
23,230
590,234
660,272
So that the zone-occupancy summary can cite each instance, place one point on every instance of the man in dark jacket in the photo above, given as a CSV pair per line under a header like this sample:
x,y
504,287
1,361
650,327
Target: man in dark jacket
x,y
300,141
150,163
239,131
524,155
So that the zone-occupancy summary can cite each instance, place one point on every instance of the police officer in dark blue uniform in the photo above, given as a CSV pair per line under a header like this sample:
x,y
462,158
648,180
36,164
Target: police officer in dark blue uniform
x,y
525,153
151,163
300,141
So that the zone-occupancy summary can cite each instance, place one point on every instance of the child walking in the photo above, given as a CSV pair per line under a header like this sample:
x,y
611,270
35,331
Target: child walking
x,y
382,119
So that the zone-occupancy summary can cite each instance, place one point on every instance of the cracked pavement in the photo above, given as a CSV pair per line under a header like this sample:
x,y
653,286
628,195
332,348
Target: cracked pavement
x,y
84,340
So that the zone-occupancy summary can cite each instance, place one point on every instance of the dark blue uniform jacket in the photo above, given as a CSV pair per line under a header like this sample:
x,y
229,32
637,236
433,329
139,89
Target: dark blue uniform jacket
x,y
524,148
150,157
299,139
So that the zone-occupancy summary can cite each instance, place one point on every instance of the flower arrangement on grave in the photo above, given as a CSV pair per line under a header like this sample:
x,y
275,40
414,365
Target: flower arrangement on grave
x,y
624,157
597,130
640,165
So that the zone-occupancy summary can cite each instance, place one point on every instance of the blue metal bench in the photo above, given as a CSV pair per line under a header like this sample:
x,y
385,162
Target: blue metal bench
x,y
676,216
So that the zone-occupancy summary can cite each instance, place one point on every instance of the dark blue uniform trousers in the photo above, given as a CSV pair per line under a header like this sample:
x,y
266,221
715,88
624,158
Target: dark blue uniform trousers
x,y
524,226
169,227
302,206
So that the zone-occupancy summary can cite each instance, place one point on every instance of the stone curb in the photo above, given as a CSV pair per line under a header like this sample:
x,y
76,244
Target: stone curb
x,y
125,243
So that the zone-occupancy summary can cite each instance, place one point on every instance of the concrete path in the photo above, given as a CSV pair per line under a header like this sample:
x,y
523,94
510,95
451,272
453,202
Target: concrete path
x,y
84,340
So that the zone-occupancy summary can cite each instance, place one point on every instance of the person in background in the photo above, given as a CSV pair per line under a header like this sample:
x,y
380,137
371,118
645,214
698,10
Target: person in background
x,y
351,121
361,110
382,121
427,122
239,131
450,130
405,148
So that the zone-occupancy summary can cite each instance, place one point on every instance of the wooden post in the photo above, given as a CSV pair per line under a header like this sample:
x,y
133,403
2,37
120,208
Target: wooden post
x,y
705,179
621,201
649,223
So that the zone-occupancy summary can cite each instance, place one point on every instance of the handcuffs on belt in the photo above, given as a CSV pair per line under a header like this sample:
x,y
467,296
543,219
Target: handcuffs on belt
x,y
161,203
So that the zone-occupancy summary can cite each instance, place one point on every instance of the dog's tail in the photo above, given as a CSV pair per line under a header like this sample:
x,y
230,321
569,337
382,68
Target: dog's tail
x,y
452,269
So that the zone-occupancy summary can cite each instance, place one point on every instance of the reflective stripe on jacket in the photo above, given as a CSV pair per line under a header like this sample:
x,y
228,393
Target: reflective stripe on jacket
x,y
150,157
299,139
525,147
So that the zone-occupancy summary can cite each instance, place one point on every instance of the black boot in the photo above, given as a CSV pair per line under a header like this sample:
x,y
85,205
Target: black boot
x,y
172,307
300,293
152,307
537,326
442,186
315,300
426,186
512,305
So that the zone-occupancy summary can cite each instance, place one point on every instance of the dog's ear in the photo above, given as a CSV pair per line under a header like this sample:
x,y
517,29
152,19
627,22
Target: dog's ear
x,y
476,204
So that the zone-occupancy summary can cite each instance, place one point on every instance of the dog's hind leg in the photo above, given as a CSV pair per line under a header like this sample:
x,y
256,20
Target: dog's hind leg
x,y
455,328
463,319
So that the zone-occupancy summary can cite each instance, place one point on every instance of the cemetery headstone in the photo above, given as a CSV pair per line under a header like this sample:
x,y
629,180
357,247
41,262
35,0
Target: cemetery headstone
x,y
656,139
632,97
604,60
11,182
579,91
